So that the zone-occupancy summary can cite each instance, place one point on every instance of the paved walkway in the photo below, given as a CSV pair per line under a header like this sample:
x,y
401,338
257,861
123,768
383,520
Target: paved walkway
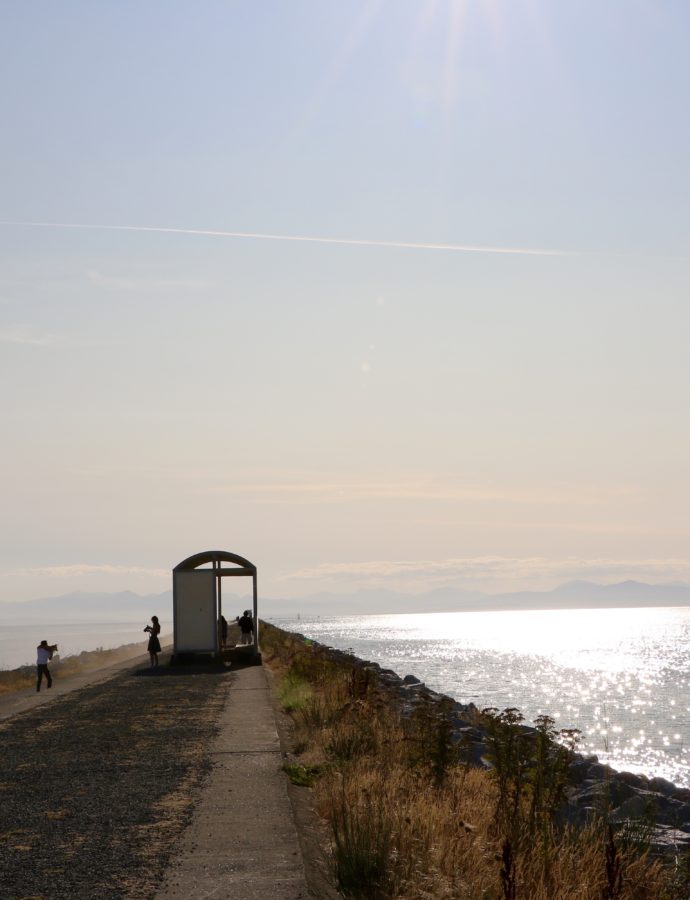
x,y
242,843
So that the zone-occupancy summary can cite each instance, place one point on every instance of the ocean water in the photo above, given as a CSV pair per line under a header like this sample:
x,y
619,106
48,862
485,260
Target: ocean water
x,y
621,676
18,642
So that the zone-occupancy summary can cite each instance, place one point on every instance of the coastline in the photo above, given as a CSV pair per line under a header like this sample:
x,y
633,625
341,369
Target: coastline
x,y
425,796
617,676
109,661
664,806
127,720
88,661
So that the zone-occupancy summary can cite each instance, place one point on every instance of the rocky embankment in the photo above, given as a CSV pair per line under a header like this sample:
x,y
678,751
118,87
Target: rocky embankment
x,y
655,805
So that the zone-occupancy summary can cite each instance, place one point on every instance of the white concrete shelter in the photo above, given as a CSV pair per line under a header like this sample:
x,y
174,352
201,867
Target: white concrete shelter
x,y
197,601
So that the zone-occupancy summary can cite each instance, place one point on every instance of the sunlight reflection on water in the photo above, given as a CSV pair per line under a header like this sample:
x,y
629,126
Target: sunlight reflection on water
x,y
619,675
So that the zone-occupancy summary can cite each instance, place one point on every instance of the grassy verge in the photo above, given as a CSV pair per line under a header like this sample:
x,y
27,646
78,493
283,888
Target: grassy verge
x,y
410,819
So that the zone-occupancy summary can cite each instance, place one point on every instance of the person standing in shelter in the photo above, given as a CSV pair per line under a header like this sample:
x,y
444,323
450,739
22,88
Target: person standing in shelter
x,y
223,631
154,647
44,653
246,627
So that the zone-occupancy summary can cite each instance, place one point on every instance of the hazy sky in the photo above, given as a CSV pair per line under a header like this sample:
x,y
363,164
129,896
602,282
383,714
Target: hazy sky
x,y
352,414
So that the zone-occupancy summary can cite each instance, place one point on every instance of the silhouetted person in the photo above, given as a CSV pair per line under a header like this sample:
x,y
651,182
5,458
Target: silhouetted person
x,y
223,631
44,653
154,647
246,627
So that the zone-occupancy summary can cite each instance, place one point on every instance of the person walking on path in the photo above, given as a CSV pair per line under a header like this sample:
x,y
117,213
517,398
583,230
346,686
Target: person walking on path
x,y
44,653
154,647
246,627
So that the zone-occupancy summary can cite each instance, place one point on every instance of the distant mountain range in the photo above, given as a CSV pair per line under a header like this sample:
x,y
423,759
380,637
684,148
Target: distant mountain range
x,y
125,606
128,606
572,595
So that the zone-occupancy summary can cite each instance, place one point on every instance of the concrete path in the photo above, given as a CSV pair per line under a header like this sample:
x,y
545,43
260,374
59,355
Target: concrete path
x,y
242,843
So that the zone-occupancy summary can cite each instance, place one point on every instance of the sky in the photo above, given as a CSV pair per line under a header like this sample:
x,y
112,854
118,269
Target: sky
x,y
385,294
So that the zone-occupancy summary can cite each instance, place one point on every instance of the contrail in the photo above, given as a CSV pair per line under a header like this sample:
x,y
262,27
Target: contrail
x,y
301,238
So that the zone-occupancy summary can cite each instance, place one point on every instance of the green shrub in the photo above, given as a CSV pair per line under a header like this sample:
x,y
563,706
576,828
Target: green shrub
x,y
304,776
294,692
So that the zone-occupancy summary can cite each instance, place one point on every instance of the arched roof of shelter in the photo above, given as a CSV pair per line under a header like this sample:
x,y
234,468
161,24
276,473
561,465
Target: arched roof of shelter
x,y
213,556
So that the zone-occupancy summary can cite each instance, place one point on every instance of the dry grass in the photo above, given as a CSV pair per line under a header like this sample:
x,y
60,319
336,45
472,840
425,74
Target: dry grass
x,y
408,821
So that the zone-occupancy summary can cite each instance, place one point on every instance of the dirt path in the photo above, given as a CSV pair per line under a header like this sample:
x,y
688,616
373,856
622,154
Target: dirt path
x,y
97,784
14,702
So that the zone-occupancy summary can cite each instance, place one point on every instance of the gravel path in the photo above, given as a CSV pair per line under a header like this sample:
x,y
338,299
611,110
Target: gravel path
x,y
96,786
